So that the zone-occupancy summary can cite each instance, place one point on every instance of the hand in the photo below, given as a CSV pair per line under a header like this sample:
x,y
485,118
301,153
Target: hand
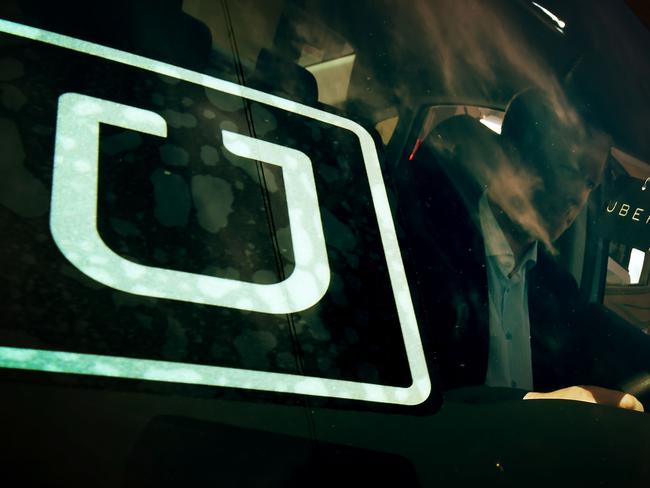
x,y
590,394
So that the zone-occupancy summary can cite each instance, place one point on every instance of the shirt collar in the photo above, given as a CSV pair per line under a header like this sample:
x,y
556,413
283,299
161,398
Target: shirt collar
x,y
496,244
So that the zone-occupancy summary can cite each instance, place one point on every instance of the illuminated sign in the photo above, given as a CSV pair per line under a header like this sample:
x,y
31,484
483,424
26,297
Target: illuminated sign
x,y
73,223
625,217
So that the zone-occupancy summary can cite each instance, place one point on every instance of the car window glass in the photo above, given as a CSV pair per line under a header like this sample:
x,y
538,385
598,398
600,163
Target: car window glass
x,y
303,242
626,290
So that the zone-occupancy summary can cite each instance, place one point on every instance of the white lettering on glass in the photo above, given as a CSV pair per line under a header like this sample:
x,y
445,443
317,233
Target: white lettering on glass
x,y
157,370
636,214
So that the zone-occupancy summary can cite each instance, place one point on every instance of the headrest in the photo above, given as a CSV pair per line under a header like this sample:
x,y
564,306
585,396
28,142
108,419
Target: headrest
x,y
278,75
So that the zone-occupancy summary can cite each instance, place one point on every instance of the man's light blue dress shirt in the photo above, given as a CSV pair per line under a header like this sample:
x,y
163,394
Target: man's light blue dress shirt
x,y
509,357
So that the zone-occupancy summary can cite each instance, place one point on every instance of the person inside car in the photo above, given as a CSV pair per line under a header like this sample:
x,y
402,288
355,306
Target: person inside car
x,y
482,220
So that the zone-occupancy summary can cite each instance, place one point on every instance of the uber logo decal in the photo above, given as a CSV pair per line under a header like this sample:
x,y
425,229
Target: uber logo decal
x,y
74,216
73,222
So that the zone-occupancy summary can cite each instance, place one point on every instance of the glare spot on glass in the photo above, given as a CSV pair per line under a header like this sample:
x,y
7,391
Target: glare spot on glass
x,y
174,155
209,155
636,265
213,200
179,119
87,107
493,123
559,22
82,166
68,142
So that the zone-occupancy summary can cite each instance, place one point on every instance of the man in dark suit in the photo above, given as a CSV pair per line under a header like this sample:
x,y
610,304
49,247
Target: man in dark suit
x,y
481,214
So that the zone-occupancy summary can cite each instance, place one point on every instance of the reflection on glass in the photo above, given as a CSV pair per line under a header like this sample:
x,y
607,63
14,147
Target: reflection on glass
x,y
558,22
637,257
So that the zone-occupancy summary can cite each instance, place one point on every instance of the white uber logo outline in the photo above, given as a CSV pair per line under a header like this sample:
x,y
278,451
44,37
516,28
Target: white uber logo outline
x,y
73,216
145,121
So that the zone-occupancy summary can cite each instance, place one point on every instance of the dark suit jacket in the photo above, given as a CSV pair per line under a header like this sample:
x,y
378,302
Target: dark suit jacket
x,y
572,342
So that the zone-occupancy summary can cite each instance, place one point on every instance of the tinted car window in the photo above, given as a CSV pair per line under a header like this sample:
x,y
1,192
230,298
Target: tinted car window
x,y
245,242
